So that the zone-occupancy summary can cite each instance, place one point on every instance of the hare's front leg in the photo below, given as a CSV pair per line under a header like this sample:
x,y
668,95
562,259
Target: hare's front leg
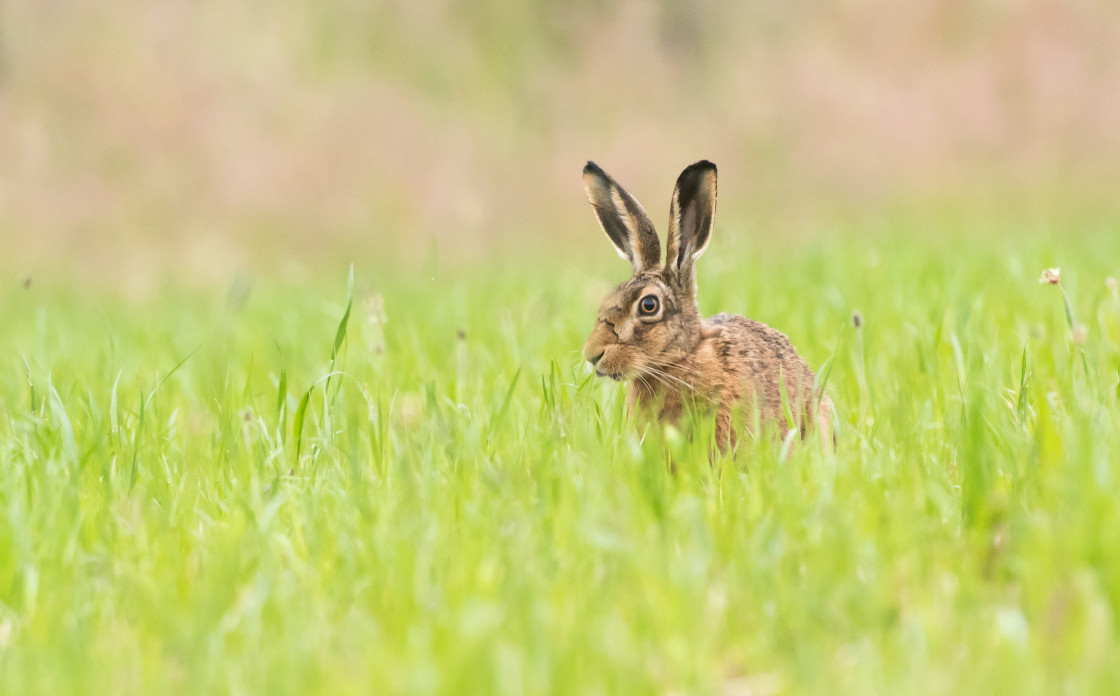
x,y
725,433
671,409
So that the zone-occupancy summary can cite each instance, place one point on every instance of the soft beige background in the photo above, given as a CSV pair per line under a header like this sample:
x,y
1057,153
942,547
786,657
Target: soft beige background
x,y
197,138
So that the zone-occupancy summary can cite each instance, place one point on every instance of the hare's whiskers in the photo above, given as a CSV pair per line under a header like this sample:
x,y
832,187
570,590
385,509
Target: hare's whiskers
x,y
676,366
653,374
643,381
661,373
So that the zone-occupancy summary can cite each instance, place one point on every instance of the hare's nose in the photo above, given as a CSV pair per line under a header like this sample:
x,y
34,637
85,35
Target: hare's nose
x,y
595,360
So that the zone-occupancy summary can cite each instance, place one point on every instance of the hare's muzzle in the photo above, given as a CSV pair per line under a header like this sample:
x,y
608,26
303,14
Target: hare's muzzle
x,y
595,348
593,358
601,352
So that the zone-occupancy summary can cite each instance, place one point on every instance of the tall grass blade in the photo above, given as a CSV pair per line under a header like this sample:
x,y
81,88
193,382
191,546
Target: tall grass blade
x,y
500,416
297,424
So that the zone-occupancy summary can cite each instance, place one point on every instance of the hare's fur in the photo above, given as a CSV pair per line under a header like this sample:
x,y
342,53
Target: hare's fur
x,y
671,356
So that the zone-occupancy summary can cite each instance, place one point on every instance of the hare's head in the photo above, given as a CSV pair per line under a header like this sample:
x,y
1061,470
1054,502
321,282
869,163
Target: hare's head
x,y
651,319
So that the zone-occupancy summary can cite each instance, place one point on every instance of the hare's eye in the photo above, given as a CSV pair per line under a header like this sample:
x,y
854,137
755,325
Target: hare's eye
x,y
649,305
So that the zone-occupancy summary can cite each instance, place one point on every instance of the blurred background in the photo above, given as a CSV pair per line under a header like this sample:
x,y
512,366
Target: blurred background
x,y
193,140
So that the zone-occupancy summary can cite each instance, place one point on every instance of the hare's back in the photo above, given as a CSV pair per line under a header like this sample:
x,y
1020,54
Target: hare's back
x,y
761,355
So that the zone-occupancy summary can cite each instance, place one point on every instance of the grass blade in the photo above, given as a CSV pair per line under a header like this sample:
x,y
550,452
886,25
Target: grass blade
x,y
173,371
281,396
500,416
340,332
297,424
69,444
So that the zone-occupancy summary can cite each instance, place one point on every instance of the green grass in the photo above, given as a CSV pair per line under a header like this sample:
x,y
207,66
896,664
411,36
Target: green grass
x,y
189,505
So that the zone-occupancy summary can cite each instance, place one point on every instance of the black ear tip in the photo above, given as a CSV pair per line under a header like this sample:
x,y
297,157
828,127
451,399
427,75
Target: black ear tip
x,y
592,168
693,174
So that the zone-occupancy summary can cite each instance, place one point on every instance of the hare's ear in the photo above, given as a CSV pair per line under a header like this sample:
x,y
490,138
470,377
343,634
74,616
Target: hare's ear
x,y
690,220
622,218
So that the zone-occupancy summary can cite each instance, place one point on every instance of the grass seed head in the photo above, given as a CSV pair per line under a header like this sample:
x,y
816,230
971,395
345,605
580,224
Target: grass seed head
x,y
1052,276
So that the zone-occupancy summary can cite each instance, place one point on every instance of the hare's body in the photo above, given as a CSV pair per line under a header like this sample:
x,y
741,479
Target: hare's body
x,y
649,330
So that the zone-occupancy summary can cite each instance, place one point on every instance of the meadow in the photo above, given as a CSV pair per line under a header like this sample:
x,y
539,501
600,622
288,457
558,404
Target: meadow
x,y
410,484
292,296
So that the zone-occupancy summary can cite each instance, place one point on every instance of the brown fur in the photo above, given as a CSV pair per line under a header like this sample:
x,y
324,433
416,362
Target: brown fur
x,y
672,357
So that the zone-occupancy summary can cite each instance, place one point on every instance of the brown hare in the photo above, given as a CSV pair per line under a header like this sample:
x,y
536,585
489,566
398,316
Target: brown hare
x,y
649,329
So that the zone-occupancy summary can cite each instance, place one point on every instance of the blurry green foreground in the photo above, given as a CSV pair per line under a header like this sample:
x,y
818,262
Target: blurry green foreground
x,y
195,497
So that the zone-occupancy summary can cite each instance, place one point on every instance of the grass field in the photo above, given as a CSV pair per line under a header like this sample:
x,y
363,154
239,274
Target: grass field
x,y
200,494
225,469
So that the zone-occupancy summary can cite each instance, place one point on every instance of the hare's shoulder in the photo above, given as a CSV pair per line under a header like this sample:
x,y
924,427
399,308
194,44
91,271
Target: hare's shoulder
x,y
736,336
